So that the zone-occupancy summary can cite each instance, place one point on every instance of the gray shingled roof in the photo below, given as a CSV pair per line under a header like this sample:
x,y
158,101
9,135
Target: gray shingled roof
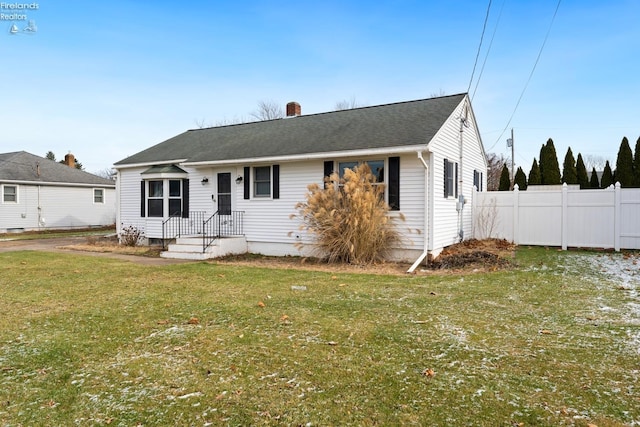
x,y
23,166
383,126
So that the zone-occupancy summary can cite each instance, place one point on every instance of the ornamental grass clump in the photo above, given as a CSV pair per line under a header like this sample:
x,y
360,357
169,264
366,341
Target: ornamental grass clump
x,y
348,218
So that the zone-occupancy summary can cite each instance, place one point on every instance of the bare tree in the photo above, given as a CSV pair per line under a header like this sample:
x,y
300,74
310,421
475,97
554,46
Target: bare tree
x,y
591,161
495,164
268,110
228,122
487,220
348,104
107,173
438,94
201,124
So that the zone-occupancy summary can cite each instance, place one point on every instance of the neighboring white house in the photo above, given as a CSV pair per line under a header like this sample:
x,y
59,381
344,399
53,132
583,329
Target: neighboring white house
x,y
37,193
427,152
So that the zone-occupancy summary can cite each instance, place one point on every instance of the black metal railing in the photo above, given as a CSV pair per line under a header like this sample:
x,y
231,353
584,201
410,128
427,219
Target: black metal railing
x,y
177,226
219,225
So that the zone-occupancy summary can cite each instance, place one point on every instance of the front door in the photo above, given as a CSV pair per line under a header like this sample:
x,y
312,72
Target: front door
x,y
224,193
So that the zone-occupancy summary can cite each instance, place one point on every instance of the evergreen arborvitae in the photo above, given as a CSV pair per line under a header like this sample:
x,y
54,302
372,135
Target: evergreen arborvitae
x,y
549,167
543,154
581,171
520,179
534,174
624,165
594,182
569,172
505,181
636,163
607,176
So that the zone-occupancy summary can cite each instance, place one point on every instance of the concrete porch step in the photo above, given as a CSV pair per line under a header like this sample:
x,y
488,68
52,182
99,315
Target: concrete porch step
x,y
190,248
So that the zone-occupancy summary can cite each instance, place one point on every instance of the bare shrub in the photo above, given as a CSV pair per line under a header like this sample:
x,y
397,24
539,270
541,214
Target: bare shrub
x,y
131,236
348,218
486,220
92,240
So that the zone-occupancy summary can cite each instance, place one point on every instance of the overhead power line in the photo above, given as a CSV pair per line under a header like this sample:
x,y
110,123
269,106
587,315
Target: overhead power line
x,y
484,27
530,74
475,89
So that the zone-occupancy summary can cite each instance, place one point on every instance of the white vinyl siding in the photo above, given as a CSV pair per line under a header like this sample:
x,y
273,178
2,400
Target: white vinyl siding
x,y
446,145
51,206
269,220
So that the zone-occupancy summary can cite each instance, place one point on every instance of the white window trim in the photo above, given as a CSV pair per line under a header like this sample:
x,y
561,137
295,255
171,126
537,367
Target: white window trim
x,y
17,194
165,203
254,182
104,194
166,195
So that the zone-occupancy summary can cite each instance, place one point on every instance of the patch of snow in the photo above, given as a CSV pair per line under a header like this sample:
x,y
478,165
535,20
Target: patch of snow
x,y
623,272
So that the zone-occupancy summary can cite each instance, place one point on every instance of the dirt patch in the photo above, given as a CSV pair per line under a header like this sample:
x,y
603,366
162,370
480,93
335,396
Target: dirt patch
x,y
471,256
110,247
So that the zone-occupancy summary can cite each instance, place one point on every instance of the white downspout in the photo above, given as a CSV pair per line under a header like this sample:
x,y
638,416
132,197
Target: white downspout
x,y
118,203
460,185
427,234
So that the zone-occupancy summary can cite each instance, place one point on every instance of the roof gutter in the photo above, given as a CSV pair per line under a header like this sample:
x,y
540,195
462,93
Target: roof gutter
x,y
148,164
365,152
427,197
58,184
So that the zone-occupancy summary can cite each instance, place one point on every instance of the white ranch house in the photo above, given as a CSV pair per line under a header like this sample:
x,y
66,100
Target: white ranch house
x,y
244,180
37,194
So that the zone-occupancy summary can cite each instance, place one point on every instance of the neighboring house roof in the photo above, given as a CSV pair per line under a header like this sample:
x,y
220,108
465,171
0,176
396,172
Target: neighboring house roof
x,y
21,166
402,124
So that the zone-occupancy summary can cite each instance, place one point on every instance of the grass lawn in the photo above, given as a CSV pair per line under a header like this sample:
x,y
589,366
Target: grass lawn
x,y
57,233
96,341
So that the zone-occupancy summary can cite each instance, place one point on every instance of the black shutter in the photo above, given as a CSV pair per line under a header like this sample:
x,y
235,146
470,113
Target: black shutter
x,y
394,183
446,177
185,198
328,169
143,201
456,179
275,181
247,183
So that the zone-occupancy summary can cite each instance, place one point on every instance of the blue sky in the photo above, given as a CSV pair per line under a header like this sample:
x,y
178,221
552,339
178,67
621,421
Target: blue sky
x,y
105,80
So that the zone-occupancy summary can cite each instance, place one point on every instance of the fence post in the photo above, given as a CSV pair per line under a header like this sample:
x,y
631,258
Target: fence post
x,y
564,232
617,217
474,203
516,213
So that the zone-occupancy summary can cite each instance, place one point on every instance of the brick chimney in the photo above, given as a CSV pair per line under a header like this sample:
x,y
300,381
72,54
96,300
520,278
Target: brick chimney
x,y
293,109
70,160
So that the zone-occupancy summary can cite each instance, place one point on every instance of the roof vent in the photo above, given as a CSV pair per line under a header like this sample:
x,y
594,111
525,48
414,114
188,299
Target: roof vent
x,y
293,109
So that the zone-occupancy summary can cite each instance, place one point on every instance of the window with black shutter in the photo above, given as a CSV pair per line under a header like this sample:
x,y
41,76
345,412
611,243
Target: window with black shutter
x,y
450,178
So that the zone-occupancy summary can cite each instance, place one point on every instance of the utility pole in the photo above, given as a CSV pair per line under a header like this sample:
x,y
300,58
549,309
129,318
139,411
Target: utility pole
x,y
511,144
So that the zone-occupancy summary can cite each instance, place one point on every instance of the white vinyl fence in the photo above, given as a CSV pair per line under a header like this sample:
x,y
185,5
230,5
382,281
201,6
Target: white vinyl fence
x,y
560,216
